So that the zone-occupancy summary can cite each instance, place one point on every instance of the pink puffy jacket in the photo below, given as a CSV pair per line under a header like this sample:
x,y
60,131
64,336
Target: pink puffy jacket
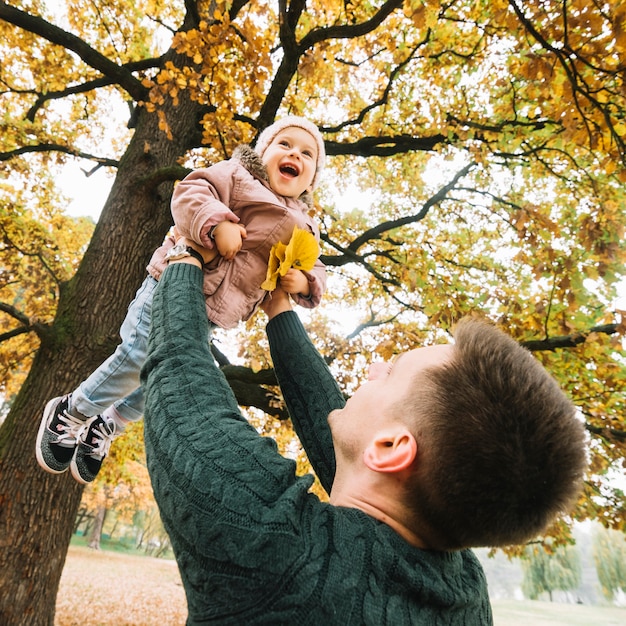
x,y
238,190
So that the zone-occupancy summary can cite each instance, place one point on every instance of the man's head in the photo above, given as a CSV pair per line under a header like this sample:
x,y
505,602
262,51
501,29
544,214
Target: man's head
x,y
293,151
499,452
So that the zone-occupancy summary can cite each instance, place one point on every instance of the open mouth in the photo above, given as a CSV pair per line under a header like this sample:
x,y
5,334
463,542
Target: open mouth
x,y
289,170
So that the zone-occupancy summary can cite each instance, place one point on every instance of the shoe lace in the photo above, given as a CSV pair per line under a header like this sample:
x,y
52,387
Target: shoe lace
x,y
104,434
73,428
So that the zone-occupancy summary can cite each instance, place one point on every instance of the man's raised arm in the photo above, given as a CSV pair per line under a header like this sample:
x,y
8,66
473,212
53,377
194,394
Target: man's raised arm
x,y
309,389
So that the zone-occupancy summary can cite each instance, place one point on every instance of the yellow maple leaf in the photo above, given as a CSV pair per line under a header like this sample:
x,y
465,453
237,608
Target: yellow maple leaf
x,y
277,256
301,253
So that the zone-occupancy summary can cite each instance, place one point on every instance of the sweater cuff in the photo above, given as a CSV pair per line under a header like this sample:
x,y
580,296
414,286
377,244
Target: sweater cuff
x,y
181,271
286,324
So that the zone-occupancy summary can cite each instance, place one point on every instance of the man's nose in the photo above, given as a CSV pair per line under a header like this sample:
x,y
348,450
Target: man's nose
x,y
376,370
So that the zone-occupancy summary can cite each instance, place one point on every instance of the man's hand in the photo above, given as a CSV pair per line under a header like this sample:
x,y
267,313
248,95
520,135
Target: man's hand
x,y
228,238
295,282
276,302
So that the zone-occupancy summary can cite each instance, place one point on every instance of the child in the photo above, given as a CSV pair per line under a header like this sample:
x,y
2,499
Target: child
x,y
238,208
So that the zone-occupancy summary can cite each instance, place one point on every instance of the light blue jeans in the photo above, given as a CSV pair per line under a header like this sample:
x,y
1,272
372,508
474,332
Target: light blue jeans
x,y
116,381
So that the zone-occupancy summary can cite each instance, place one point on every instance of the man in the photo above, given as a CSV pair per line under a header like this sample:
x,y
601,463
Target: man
x,y
416,472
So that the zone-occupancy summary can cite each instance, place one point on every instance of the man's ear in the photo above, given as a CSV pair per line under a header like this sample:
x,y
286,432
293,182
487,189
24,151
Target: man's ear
x,y
391,451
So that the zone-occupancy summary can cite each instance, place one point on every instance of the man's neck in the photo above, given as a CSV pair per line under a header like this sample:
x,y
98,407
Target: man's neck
x,y
383,508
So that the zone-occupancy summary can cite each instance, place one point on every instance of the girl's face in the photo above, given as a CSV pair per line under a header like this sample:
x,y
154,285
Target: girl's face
x,y
291,161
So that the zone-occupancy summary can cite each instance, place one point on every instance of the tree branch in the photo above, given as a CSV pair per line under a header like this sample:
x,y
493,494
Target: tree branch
x,y
372,322
90,85
14,333
352,30
293,50
384,98
568,341
565,57
384,146
247,375
258,397
610,434
26,325
349,253
15,313
120,75
54,147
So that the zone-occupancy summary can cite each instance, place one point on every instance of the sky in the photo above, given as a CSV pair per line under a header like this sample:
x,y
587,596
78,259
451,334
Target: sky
x,y
87,194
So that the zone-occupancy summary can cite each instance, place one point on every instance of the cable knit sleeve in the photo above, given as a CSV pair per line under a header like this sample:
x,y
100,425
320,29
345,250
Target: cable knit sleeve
x,y
309,389
226,497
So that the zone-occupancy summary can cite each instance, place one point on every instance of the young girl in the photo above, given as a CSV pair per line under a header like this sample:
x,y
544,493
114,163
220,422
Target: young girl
x,y
238,208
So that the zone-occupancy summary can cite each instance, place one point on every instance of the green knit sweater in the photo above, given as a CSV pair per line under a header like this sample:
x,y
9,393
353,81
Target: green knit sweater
x,y
252,544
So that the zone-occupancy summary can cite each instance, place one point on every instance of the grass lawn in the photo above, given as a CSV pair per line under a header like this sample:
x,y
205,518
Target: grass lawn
x,y
535,613
102,588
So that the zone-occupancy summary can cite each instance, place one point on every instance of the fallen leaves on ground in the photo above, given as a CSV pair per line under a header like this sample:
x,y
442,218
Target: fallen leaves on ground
x,y
107,588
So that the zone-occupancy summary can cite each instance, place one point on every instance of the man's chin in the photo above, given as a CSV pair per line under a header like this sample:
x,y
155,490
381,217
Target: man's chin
x,y
332,416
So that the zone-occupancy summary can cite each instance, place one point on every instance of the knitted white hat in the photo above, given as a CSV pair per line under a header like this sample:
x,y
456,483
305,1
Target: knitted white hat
x,y
267,136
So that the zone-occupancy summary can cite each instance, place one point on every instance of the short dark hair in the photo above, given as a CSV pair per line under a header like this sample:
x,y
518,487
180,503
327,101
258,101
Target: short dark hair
x,y
501,451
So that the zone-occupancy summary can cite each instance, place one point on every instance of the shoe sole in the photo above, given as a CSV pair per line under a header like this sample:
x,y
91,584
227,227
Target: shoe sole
x,y
42,429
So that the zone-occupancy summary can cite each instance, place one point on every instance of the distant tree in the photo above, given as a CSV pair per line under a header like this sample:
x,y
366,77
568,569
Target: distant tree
x,y
609,555
546,571
122,488
96,529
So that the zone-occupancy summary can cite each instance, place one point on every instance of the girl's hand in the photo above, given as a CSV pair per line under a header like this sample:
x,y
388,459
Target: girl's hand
x,y
295,282
228,238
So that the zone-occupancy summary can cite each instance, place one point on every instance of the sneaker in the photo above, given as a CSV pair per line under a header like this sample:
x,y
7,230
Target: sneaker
x,y
58,436
93,446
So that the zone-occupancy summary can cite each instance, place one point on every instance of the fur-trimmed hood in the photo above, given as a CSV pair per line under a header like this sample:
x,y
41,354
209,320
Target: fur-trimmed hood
x,y
251,160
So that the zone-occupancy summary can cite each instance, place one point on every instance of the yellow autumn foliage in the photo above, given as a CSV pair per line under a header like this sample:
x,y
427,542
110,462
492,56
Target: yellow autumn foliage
x,y
301,252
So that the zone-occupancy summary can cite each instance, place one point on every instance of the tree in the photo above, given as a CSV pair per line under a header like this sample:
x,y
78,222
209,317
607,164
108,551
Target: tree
x,y
484,141
609,555
122,486
546,571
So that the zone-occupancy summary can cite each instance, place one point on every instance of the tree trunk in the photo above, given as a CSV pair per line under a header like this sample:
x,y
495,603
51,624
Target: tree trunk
x,y
96,530
81,518
37,509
